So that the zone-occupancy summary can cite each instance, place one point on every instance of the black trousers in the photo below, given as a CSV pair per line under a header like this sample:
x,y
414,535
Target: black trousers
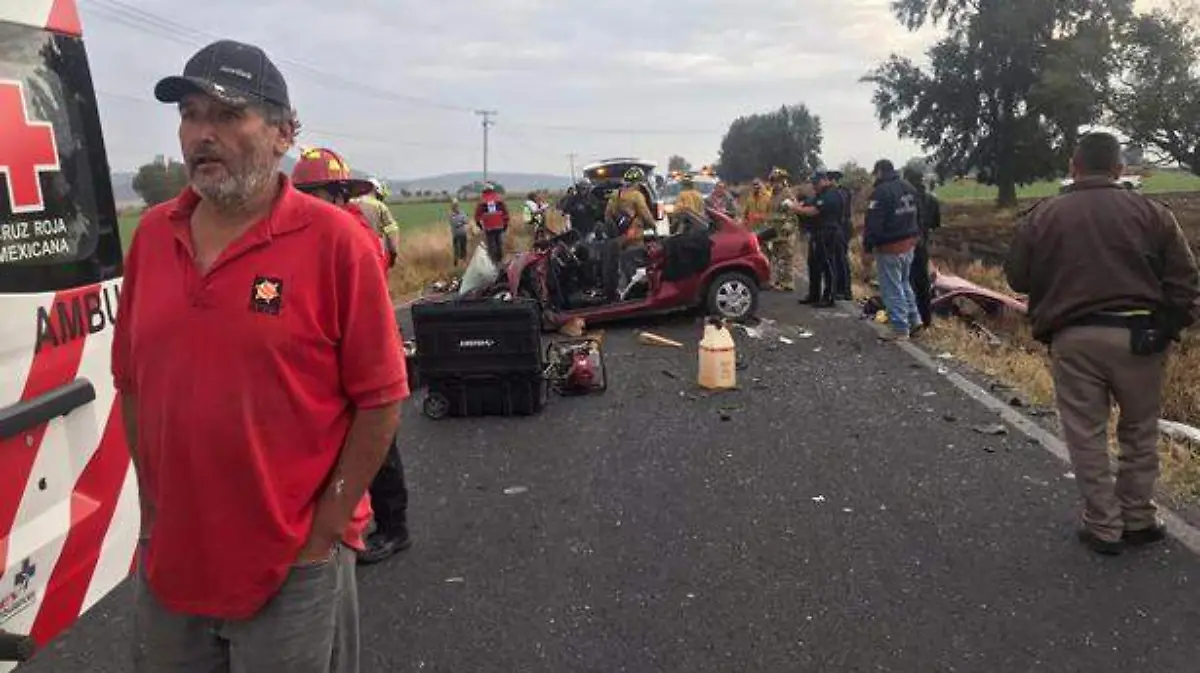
x,y
918,277
460,247
389,494
495,244
822,253
842,266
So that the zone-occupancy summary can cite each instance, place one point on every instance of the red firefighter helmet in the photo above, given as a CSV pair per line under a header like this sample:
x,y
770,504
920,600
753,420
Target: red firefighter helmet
x,y
320,167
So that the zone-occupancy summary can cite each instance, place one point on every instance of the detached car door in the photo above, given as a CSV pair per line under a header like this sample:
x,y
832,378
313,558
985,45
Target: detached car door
x,y
68,499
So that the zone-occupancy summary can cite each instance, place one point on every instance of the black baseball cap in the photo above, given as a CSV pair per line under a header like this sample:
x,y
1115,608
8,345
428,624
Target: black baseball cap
x,y
232,72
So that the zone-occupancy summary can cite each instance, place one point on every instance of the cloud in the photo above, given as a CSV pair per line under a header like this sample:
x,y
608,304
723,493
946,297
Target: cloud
x,y
393,83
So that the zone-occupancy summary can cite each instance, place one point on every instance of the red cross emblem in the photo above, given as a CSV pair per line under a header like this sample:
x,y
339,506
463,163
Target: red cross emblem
x,y
27,149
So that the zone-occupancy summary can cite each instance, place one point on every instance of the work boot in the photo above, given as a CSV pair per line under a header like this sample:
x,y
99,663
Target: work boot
x,y
384,545
1103,547
1146,536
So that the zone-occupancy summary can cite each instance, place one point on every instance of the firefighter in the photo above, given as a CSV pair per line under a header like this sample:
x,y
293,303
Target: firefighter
x,y
690,201
325,175
491,216
782,251
757,204
721,200
322,173
823,224
628,216
374,207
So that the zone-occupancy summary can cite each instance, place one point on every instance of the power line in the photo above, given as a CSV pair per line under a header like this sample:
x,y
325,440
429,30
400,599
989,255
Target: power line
x,y
149,23
158,26
307,130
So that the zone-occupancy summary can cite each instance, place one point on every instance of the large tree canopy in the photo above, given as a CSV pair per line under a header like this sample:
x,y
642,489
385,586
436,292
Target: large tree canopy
x,y
1156,102
789,138
1007,89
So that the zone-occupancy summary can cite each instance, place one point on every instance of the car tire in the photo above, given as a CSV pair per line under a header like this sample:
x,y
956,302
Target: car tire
x,y
436,406
733,296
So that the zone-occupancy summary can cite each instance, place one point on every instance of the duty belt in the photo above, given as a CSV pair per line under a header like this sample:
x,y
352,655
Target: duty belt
x,y
1125,319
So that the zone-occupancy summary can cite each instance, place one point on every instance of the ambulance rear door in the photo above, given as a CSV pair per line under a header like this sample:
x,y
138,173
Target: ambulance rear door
x,y
68,499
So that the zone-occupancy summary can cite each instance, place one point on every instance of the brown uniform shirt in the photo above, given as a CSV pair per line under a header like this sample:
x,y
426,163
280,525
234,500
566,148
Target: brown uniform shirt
x,y
1100,248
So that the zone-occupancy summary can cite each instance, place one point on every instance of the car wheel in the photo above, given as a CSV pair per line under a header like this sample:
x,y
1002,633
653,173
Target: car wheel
x,y
436,406
733,296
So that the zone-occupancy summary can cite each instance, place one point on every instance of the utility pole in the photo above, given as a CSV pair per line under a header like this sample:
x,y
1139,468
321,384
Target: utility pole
x,y
571,158
487,123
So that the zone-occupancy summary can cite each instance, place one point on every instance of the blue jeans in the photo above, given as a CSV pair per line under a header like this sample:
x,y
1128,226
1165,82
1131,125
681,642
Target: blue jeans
x,y
897,292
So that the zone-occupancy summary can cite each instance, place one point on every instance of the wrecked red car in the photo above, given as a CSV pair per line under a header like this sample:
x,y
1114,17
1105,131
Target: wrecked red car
x,y
717,265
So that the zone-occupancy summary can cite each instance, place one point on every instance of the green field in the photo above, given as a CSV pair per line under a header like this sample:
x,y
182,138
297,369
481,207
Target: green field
x,y
409,215
1158,183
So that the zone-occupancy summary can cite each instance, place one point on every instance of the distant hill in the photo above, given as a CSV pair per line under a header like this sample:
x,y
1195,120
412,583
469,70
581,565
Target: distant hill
x,y
513,182
450,182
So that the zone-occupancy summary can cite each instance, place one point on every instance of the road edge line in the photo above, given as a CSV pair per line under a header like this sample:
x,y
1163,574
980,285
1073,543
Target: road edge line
x,y
1187,534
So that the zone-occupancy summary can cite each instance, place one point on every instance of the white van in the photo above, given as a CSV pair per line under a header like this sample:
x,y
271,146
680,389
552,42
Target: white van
x,y
68,498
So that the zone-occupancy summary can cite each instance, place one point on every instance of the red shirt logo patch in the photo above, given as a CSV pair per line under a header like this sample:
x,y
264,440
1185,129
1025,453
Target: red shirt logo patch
x,y
27,149
266,295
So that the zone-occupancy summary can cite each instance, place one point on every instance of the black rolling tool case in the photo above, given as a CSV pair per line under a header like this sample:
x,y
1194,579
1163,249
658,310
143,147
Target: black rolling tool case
x,y
480,357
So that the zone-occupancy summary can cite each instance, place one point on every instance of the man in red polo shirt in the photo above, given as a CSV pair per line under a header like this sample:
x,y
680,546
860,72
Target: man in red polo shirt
x,y
259,365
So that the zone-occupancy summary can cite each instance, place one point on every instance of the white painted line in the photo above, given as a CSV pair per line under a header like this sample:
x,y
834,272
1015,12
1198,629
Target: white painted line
x,y
1187,534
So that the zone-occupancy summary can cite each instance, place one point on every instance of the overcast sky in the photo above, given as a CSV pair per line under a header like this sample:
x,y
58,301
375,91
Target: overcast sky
x,y
392,84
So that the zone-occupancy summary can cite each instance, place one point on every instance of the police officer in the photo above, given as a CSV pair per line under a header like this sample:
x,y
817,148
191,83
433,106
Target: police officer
x,y
1111,282
629,218
583,208
890,234
930,219
823,225
841,268
782,250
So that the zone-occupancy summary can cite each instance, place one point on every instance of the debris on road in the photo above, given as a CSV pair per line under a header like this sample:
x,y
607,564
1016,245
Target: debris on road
x,y
786,340
670,374
945,356
818,498
994,429
455,580
574,328
516,490
651,339
950,418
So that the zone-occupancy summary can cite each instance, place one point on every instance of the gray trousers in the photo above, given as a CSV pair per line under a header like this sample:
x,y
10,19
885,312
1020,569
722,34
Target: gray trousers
x,y
310,626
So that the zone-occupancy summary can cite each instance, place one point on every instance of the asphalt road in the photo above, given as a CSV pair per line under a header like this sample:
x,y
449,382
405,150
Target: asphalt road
x,y
846,517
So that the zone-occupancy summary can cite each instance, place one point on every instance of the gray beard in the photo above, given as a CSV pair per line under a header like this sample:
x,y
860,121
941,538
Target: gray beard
x,y
234,192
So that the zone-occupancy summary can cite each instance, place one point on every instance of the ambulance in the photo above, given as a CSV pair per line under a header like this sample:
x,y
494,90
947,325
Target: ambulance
x,y
68,496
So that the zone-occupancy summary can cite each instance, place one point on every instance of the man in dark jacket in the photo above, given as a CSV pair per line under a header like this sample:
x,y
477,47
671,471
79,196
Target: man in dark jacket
x,y
1111,281
584,208
930,217
890,235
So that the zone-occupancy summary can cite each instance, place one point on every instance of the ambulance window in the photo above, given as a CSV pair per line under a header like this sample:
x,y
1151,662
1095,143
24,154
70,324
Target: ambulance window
x,y
58,222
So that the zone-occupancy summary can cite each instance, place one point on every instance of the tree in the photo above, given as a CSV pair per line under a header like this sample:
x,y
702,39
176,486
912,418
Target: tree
x,y
1007,88
855,177
160,180
789,138
1156,102
678,163
918,165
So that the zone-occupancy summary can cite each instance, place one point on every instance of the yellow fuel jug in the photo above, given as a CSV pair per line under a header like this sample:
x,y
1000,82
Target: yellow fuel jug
x,y
718,359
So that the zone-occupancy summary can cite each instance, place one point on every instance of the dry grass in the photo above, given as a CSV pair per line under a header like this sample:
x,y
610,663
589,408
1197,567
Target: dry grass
x,y
975,231
426,255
